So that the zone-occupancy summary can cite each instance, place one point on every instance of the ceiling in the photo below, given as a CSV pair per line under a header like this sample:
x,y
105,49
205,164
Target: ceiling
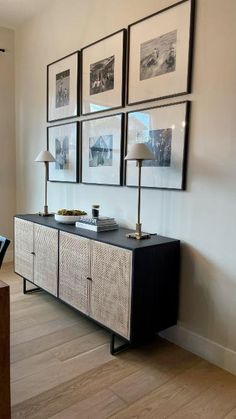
x,y
15,12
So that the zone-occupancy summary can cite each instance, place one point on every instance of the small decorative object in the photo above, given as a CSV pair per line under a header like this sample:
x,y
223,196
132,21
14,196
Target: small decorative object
x,y
103,70
68,216
160,52
95,211
102,145
139,152
62,88
63,144
164,130
46,158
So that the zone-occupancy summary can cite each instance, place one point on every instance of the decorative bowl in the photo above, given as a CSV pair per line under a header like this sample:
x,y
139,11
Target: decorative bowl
x,y
66,216
67,219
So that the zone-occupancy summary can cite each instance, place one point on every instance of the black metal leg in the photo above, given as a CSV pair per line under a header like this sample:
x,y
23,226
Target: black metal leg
x,y
115,350
25,291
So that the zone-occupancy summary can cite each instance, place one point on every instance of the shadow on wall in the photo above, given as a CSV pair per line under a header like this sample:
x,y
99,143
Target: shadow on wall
x,y
204,288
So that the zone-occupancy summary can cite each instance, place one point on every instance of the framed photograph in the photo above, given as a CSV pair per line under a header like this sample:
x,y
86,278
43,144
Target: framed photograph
x,y
62,142
164,130
62,88
103,73
102,150
160,54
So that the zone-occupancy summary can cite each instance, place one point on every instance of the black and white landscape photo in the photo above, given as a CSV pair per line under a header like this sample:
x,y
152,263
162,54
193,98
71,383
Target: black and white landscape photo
x,y
62,88
159,143
62,153
100,151
102,75
158,56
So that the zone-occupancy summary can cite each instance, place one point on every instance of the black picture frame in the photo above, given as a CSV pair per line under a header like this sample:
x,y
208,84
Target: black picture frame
x,y
157,93
76,161
120,169
85,82
184,153
54,114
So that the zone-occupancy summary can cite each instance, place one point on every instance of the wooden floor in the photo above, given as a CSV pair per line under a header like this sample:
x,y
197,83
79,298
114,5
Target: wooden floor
x,y
62,368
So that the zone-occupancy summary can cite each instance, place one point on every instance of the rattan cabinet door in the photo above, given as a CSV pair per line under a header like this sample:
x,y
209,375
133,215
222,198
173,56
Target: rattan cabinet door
x,y
74,269
110,299
46,258
24,247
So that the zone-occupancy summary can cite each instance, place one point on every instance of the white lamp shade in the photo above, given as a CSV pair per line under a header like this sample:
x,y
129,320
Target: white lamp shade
x,y
45,156
140,151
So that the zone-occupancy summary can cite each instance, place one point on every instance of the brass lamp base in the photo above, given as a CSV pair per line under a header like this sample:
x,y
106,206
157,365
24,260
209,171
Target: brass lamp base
x,y
45,213
48,214
138,235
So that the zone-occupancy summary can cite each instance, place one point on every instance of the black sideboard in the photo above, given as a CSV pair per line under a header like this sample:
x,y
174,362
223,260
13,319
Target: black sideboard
x,y
128,286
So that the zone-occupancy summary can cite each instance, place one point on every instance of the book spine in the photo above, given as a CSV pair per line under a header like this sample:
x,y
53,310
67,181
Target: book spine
x,y
96,228
97,223
91,221
87,226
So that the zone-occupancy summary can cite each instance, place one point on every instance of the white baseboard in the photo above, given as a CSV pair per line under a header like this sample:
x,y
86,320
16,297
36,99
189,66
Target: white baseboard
x,y
211,351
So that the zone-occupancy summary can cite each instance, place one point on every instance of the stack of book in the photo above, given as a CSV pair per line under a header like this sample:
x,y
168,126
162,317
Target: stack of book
x,y
97,224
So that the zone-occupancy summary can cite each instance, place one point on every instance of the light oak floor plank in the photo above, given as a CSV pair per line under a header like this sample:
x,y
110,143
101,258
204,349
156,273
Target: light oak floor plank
x,y
62,369
80,345
101,405
63,396
213,403
32,365
53,375
46,342
36,331
177,393
168,365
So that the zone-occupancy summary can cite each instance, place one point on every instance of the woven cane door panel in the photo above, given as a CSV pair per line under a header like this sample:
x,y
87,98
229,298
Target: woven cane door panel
x,y
74,269
111,287
46,258
23,257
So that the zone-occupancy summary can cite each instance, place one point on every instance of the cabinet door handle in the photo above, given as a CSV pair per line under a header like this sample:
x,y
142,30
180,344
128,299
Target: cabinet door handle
x,y
32,253
90,279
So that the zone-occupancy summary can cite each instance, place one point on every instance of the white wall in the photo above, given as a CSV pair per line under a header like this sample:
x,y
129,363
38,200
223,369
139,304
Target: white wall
x,y
203,217
7,135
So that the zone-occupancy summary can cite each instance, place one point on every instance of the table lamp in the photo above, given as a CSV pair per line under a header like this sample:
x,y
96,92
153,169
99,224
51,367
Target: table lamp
x,y
45,157
139,152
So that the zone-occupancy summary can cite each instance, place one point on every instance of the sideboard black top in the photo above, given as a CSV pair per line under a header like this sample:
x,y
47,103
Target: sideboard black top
x,y
115,237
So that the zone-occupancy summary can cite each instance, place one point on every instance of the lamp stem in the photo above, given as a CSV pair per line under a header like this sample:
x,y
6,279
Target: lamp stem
x,y
138,232
139,189
46,189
